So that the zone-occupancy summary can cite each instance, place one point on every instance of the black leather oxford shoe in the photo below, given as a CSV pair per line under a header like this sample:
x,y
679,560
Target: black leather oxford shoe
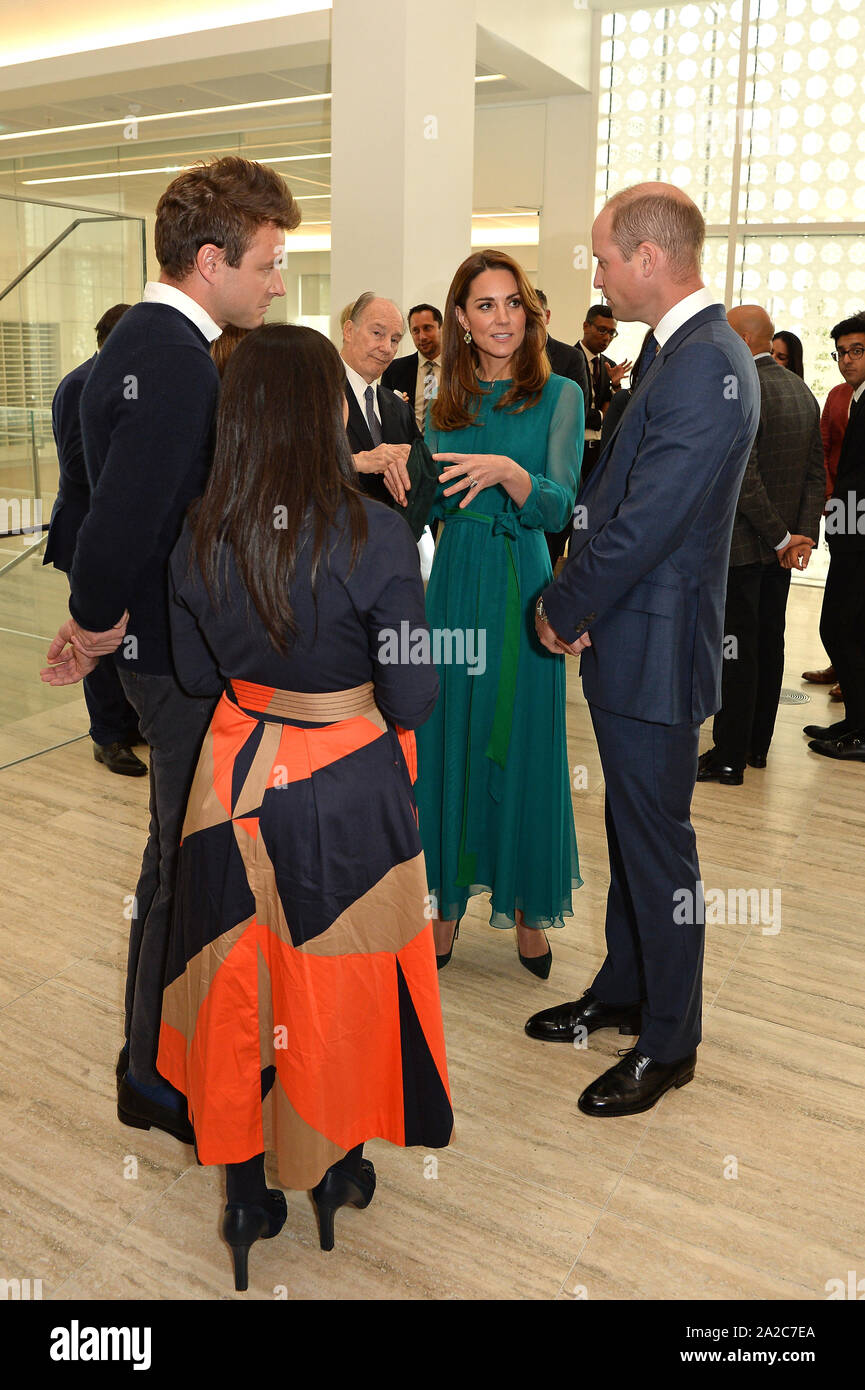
x,y
140,1112
634,1084
757,760
118,757
849,747
560,1023
826,730
709,769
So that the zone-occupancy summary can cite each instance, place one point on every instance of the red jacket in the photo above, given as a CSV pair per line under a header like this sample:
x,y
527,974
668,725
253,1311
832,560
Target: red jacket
x,y
833,424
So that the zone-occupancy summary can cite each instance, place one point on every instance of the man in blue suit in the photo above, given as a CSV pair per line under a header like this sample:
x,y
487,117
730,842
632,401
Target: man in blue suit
x,y
642,599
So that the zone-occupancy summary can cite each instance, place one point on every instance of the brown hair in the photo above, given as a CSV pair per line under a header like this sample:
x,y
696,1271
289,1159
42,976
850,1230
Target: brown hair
x,y
459,394
222,347
282,471
223,203
675,224
109,320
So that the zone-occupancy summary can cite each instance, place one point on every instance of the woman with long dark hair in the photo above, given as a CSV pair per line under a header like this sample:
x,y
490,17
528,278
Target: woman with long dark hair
x,y
787,351
301,1010
494,787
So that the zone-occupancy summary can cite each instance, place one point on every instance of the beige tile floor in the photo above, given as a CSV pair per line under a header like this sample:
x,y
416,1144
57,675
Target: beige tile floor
x,y
744,1185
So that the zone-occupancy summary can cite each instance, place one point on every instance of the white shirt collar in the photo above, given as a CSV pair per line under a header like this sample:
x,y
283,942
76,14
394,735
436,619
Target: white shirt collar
x,y
858,392
758,355
680,313
155,292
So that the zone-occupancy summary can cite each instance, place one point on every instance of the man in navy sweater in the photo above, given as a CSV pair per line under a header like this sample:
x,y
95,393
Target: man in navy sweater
x,y
147,416
113,721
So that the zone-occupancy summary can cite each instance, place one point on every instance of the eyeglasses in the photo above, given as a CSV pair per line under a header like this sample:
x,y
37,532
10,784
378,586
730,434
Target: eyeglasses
x,y
610,333
854,353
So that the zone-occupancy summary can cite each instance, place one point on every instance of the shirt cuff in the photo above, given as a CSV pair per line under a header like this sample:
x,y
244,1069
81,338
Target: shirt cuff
x,y
785,542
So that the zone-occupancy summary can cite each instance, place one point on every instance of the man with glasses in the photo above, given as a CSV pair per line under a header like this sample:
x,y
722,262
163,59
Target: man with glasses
x,y
842,620
605,378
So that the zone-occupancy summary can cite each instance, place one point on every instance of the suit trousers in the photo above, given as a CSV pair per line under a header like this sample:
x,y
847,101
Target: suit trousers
x,y
174,724
650,771
755,615
842,629
112,718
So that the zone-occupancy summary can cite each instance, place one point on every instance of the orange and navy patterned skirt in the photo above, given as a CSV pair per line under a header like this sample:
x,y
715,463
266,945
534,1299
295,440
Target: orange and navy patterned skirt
x,y
301,1012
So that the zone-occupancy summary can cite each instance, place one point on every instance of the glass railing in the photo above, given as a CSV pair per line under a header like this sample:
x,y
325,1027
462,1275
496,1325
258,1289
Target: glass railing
x,y
60,268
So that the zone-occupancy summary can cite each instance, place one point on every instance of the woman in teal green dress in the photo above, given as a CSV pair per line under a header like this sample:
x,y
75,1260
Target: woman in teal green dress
x,y
494,788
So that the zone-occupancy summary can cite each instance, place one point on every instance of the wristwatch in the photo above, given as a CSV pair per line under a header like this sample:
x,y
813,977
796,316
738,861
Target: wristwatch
x,y
540,611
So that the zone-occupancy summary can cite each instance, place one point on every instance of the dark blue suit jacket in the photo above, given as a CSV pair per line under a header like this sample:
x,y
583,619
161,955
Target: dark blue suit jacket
x,y
647,573
73,492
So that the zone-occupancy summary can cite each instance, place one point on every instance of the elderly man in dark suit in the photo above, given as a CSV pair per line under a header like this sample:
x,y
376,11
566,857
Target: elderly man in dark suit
x,y
777,520
113,721
642,598
381,425
842,620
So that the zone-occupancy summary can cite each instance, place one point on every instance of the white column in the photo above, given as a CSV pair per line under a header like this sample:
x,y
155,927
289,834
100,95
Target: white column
x,y
402,137
565,265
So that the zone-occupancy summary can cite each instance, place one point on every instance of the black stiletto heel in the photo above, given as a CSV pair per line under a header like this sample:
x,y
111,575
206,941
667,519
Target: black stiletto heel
x,y
441,961
243,1223
339,1189
538,965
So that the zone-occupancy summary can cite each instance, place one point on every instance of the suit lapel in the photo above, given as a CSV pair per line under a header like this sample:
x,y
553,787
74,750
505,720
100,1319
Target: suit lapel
x,y
358,430
652,370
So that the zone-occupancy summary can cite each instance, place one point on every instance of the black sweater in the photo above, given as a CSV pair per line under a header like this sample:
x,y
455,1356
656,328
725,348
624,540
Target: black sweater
x,y
147,415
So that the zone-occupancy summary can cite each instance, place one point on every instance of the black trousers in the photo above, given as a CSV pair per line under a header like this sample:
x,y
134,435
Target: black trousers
x,y
753,669
654,944
112,718
174,725
842,629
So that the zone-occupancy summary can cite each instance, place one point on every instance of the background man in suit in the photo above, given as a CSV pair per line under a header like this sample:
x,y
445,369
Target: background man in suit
x,y
113,721
642,597
147,416
842,619
419,374
604,378
777,520
569,362
381,425
833,426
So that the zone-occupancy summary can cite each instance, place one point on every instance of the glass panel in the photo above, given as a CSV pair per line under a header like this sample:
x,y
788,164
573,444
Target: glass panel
x,y
47,321
804,155
668,92
806,283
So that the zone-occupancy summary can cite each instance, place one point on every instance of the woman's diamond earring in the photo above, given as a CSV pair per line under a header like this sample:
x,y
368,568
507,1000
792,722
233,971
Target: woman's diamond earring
x,y
467,336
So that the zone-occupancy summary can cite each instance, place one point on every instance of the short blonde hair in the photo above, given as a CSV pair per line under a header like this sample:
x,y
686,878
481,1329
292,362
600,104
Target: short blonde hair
x,y
674,224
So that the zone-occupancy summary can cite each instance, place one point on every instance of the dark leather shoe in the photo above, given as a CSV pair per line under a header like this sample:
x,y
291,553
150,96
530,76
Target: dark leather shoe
x,y
757,759
137,1111
836,693
710,770
826,731
634,1084
826,677
850,747
117,757
560,1023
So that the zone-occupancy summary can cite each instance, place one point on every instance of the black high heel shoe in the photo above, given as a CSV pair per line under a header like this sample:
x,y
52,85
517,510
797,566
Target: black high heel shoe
x,y
538,965
441,961
339,1189
243,1223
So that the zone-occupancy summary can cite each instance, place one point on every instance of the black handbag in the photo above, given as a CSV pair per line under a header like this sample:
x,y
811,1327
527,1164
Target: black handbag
x,y
423,473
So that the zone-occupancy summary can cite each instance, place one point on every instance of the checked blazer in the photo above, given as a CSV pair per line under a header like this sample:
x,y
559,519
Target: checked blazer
x,y
784,485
